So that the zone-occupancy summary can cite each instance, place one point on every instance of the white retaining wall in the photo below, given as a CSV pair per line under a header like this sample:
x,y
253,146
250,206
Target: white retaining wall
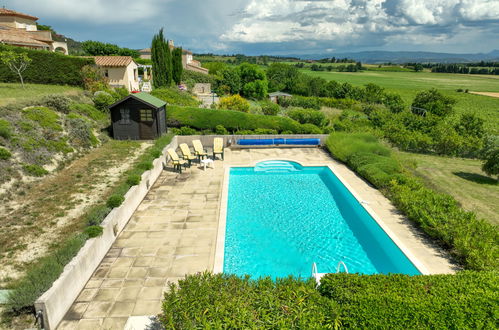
x,y
55,302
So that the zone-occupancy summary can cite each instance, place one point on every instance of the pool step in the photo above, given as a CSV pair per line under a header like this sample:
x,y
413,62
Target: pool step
x,y
276,166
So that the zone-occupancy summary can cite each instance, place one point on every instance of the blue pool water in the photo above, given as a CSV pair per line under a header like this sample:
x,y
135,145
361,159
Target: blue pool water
x,y
282,217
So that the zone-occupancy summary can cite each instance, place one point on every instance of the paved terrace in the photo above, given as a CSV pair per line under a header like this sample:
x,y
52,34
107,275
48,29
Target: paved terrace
x,y
174,230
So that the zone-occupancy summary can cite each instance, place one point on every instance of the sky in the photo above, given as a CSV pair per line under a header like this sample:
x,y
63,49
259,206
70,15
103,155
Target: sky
x,y
277,27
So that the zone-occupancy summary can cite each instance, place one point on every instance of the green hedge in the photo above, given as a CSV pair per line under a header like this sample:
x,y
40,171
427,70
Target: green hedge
x,y
206,301
467,300
174,96
47,68
232,120
474,242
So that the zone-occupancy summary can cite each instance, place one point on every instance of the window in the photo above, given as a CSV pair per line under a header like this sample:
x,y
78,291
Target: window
x,y
146,115
106,73
125,116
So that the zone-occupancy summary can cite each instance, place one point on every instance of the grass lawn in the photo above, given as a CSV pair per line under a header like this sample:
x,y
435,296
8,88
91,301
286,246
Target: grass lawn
x,y
461,178
408,84
13,92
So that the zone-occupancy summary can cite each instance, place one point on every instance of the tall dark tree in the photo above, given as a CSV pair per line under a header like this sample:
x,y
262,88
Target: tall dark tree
x,y
158,58
168,60
177,67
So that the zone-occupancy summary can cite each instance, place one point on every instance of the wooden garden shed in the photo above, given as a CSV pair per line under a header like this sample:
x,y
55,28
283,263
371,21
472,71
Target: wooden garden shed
x,y
139,116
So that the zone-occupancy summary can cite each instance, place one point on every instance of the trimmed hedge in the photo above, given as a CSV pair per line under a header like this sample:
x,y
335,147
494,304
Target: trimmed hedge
x,y
232,120
221,301
474,242
47,68
174,96
467,300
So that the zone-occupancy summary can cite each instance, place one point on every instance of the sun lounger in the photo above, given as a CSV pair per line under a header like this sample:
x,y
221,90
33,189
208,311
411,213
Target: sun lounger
x,y
218,147
186,153
199,150
177,162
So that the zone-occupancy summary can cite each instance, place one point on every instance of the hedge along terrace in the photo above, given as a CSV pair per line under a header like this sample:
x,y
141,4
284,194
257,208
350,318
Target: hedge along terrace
x,y
474,242
45,271
207,119
467,300
47,68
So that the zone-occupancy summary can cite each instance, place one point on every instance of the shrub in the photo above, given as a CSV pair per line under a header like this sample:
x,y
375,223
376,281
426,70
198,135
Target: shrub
x,y
265,131
433,102
220,130
34,170
474,242
175,96
491,164
466,300
185,130
145,165
102,100
4,154
270,108
115,201
226,301
234,102
96,215
80,131
307,116
133,179
59,103
47,68
232,120
310,129
5,129
301,101
89,111
93,231
45,117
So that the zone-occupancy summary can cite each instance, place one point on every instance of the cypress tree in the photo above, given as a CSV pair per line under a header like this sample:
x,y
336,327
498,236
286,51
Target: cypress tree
x,y
168,64
177,65
159,60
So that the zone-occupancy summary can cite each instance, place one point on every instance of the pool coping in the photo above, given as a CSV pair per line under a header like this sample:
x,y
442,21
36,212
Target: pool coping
x,y
222,221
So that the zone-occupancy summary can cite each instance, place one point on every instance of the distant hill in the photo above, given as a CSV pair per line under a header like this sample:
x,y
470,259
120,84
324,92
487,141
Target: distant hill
x,y
376,57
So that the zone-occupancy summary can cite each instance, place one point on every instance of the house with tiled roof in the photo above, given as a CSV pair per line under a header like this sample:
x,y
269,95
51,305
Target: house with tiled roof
x,y
187,60
19,29
121,71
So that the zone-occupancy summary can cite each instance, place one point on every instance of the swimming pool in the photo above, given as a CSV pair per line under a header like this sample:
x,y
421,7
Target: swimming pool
x,y
281,217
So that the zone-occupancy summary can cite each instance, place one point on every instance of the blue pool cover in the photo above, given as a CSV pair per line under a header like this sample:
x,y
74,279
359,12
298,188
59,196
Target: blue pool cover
x,y
265,142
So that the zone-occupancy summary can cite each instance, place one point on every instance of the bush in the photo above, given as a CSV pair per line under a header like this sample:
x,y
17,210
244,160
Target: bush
x,y
45,117
4,154
232,120
133,179
175,96
5,129
115,201
220,130
433,102
310,129
102,100
89,111
307,116
234,102
145,165
206,301
184,130
270,108
34,170
491,164
96,215
466,300
47,68
301,102
80,131
59,103
474,242
263,131
93,231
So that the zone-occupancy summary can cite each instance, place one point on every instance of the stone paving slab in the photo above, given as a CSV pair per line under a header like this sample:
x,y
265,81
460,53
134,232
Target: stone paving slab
x,y
173,233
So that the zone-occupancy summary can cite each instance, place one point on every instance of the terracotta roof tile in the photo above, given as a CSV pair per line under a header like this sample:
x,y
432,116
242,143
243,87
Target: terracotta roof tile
x,y
8,12
113,61
19,37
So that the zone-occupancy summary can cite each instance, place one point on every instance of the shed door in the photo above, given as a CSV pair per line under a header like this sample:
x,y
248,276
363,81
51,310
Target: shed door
x,y
147,130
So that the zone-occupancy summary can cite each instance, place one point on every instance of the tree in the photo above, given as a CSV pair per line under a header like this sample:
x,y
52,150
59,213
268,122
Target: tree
x,y
418,67
158,58
16,62
229,81
97,48
282,77
177,67
234,102
434,102
169,64
491,164
471,125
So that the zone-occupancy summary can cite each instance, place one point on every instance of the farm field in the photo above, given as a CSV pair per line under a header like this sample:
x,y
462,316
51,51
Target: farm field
x,y
408,84
13,92
461,178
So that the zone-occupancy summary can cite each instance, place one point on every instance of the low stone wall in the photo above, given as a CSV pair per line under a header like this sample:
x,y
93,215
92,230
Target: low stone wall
x,y
207,140
55,302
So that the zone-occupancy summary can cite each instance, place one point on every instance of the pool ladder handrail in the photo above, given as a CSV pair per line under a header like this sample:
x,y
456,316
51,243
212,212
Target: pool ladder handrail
x,y
317,276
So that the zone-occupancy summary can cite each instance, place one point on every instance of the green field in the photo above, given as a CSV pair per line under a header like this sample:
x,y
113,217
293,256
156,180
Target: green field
x,y
13,92
407,84
461,178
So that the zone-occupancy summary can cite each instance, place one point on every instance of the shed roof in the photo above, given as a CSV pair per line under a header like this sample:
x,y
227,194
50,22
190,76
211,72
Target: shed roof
x,y
144,97
279,94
